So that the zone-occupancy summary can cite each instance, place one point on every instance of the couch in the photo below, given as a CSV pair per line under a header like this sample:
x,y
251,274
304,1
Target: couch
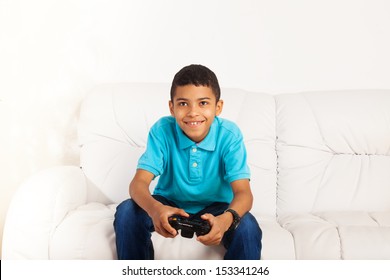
x,y
320,164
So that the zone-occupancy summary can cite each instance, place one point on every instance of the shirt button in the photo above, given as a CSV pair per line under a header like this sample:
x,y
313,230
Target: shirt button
x,y
194,164
194,150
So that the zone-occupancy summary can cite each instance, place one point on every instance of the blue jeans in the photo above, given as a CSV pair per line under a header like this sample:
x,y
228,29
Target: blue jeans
x,y
133,228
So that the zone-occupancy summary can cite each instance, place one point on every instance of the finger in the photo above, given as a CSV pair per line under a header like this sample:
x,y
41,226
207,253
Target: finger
x,y
169,229
162,229
166,233
183,213
208,240
209,218
202,239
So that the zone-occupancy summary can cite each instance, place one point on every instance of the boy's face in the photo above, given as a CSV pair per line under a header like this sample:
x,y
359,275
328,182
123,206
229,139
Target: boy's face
x,y
194,109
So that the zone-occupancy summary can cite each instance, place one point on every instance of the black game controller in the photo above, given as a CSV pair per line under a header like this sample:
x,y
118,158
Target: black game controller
x,y
189,227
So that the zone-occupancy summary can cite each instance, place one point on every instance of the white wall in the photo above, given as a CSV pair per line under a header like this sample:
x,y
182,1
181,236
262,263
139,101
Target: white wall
x,y
53,52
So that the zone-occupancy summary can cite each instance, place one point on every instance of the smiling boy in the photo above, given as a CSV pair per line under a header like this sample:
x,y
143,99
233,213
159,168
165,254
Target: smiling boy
x,y
201,161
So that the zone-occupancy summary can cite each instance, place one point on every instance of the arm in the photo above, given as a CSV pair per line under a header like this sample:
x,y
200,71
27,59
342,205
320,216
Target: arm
x,y
139,192
241,203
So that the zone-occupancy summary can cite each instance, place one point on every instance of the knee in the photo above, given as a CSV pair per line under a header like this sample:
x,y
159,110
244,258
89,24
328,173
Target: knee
x,y
124,207
249,227
126,211
245,241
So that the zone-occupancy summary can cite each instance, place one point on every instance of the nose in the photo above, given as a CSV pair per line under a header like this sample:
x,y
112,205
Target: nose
x,y
192,111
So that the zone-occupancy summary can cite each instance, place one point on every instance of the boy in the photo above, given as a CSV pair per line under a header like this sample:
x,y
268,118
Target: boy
x,y
201,161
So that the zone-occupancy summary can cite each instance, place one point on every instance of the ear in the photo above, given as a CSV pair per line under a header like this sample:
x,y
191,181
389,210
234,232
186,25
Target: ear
x,y
219,107
171,108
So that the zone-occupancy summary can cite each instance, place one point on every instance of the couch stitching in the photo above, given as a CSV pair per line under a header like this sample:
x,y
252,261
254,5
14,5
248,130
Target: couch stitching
x,y
277,160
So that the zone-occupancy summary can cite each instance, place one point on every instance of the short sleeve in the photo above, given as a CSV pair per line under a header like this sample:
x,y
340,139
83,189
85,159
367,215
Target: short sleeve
x,y
235,159
152,159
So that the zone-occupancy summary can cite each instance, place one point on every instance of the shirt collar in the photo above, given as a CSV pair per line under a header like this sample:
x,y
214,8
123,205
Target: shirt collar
x,y
207,144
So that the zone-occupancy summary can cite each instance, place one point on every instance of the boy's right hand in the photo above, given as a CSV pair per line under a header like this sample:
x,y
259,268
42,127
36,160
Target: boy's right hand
x,y
160,217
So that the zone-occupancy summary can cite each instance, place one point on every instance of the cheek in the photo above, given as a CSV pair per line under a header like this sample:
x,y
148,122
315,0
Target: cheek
x,y
178,114
210,113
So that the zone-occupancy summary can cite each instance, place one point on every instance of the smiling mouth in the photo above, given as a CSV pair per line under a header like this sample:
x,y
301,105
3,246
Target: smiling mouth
x,y
194,123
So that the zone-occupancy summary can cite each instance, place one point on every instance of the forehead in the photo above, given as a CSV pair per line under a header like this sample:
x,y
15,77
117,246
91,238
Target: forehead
x,y
192,92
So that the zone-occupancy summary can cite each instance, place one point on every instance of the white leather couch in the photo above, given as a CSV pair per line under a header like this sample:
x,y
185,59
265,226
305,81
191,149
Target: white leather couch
x,y
320,164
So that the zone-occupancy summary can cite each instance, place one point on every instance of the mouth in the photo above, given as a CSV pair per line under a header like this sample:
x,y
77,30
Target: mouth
x,y
194,123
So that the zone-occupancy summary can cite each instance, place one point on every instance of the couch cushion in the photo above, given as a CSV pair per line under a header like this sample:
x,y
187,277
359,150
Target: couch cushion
x,y
277,242
365,243
180,248
340,235
113,127
314,238
333,151
85,233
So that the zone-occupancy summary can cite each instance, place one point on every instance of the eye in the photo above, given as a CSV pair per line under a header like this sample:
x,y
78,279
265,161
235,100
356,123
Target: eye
x,y
182,104
203,103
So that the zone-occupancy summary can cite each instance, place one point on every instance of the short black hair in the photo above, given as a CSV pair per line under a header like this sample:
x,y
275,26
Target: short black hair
x,y
197,75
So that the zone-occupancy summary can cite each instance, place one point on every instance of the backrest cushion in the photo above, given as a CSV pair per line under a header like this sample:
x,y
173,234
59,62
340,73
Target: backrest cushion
x,y
333,151
114,125
113,128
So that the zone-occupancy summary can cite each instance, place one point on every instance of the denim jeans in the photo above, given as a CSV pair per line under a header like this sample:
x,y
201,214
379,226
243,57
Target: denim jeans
x,y
133,228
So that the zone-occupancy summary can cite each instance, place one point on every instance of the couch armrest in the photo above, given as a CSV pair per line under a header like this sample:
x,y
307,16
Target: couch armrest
x,y
37,208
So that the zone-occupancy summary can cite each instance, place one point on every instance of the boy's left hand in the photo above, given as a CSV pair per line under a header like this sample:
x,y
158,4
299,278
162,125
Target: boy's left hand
x,y
219,225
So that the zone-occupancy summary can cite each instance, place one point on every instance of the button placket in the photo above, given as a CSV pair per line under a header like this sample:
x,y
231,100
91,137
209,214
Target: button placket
x,y
194,163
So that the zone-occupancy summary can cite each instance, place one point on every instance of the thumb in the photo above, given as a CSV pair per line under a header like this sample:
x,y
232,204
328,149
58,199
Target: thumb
x,y
207,217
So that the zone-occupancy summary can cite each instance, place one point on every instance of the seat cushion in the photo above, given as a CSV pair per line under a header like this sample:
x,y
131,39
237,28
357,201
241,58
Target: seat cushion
x,y
88,233
340,235
85,233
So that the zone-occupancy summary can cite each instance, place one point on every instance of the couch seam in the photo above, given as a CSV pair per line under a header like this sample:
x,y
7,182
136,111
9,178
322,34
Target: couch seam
x,y
341,245
277,161
336,227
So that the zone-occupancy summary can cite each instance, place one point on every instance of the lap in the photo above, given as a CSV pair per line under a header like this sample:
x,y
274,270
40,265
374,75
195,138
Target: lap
x,y
129,211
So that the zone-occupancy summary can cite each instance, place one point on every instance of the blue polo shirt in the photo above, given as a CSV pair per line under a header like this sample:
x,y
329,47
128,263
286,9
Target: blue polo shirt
x,y
194,175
